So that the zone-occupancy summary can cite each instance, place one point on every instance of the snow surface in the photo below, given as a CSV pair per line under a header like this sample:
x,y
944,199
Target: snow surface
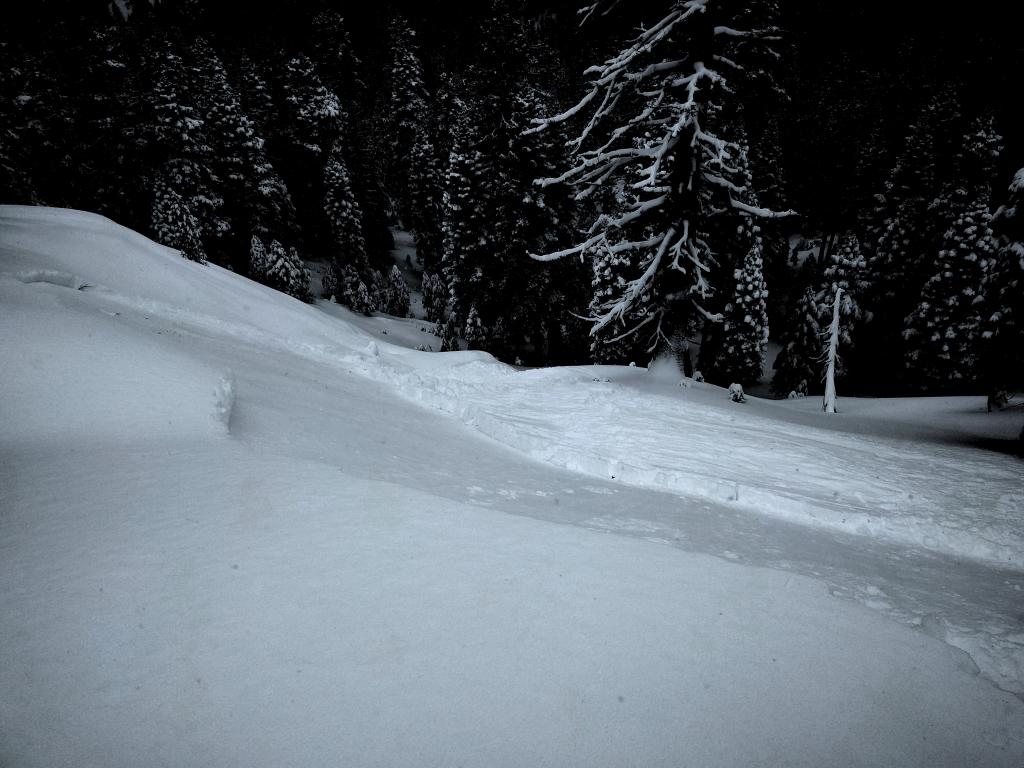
x,y
231,534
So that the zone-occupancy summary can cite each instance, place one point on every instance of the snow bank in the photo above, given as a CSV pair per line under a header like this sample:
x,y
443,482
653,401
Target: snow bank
x,y
692,441
128,268
53,277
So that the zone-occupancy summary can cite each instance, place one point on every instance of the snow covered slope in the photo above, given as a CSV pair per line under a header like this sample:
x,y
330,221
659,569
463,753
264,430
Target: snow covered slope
x,y
229,536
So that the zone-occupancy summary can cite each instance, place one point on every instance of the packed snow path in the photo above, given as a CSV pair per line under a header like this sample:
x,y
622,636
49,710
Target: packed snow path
x,y
221,546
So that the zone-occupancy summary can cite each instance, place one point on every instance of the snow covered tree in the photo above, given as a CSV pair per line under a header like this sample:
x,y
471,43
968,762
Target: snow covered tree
x,y
912,214
435,297
743,335
255,196
335,57
449,333
1003,319
426,198
173,224
259,261
181,140
608,281
732,351
463,245
844,269
798,366
828,403
316,113
349,278
14,181
109,134
349,288
944,330
38,123
396,294
360,299
651,107
343,213
407,109
256,94
286,272
535,301
474,332
312,120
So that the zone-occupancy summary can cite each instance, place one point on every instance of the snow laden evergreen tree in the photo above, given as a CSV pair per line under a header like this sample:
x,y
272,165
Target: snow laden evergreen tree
x,y
286,272
256,94
361,131
435,297
396,294
181,144
743,334
828,403
359,298
449,333
407,111
473,331
316,113
911,216
108,129
732,351
257,201
798,366
943,331
606,284
259,260
426,197
313,120
768,165
541,300
1003,326
845,270
335,57
463,246
650,110
493,213
349,266
173,224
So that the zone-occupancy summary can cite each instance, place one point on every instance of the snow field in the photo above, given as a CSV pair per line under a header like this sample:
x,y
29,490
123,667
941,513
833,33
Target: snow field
x,y
331,580
366,623
691,440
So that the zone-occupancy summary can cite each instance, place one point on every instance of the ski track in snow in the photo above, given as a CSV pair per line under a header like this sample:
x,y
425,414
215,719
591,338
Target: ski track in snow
x,y
952,500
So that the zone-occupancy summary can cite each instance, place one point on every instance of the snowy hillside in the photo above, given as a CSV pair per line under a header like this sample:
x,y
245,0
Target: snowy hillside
x,y
236,529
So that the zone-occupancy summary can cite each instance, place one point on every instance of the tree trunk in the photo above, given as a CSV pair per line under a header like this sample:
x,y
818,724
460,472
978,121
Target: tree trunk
x,y
829,403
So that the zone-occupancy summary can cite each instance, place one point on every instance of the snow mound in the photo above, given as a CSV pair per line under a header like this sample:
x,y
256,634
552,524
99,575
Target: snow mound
x,y
133,271
224,400
955,500
52,277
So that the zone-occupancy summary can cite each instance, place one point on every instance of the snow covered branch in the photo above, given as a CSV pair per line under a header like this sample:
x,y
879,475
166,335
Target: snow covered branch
x,y
666,159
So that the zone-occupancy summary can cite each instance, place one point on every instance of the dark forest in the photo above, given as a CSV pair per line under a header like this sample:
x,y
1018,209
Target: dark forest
x,y
842,148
